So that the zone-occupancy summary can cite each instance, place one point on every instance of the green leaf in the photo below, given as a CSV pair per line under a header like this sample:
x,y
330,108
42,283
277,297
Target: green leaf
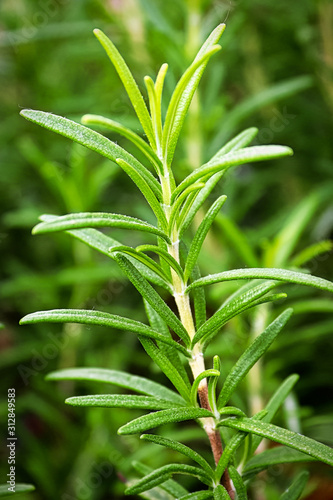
x,y
274,404
241,140
198,495
183,94
98,318
96,219
238,142
231,410
198,379
91,140
201,234
199,300
212,384
146,190
311,252
178,374
140,257
231,309
185,199
165,255
160,475
113,126
168,367
254,352
228,453
238,483
19,488
170,486
295,490
162,417
158,96
181,448
99,241
231,447
245,155
220,493
279,435
153,105
120,401
152,297
262,273
275,456
193,205
118,378
130,85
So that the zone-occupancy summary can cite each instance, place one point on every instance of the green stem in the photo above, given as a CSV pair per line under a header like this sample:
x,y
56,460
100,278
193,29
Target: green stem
x,y
197,362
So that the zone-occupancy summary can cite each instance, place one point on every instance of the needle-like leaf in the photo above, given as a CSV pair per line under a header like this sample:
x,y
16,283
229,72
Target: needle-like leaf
x,y
220,493
157,323
100,319
183,94
254,352
19,488
198,495
181,448
129,83
168,490
160,475
274,404
99,241
146,190
166,363
198,379
263,273
118,378
162,417
231,309
152,297
90,139
296,488
201,234
199,300
275,456
246,155
238,483
113,126
240,141
93,220
141,257
120,401
165,255
284,436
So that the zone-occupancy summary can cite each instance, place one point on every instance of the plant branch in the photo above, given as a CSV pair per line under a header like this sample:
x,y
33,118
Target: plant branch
x,y
197,365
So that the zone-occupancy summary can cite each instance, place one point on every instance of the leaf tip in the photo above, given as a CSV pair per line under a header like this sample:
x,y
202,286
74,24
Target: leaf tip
x,y
22,321
71,401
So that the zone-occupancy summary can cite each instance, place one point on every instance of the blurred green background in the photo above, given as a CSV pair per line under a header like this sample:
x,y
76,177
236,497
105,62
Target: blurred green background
x,y
275,72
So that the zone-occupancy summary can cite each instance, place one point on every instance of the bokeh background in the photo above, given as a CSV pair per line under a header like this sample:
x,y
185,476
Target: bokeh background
x,y
275,72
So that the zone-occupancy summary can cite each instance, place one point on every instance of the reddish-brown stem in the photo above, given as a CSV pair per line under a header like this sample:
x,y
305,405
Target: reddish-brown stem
x,y
215,442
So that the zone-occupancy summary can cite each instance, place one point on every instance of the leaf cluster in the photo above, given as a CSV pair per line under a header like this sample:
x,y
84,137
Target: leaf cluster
x,y
171,338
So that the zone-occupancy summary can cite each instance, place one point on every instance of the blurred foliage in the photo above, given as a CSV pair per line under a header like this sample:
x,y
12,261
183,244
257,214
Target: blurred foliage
x,y
275,72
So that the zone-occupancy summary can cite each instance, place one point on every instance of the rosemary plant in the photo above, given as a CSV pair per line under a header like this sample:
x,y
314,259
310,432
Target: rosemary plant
x,y
173,339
